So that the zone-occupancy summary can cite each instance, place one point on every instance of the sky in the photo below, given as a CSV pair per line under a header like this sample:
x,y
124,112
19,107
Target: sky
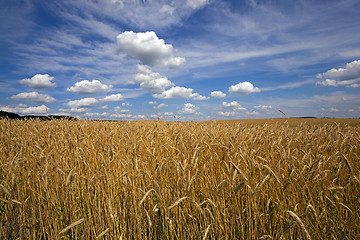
x,y
180,59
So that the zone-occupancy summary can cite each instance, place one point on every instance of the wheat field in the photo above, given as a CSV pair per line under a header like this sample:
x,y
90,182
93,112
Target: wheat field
x,y
180,180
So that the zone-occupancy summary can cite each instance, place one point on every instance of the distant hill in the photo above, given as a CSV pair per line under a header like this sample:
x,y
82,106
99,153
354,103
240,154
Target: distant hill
x,y
15,116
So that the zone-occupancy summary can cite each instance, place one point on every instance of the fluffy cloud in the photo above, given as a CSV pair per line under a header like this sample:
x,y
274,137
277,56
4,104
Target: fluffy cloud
x,y
86,86
167,9
188,108
148,48
126,104
123,116
96,115
332,109
253,113
75,110
194,4
351,71
151,81
335,83
243,88
22,108
234,105
348,76
227,114
161,105
179,92
39,81
85,102
218,94
33,97
263,107
113,98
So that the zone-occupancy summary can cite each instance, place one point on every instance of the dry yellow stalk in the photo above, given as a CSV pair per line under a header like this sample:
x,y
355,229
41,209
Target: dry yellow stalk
x,y
301,224
72,225
177,202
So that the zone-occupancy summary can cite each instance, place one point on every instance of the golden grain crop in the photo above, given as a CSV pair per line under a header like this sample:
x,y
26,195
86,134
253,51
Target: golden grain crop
x,y
179,180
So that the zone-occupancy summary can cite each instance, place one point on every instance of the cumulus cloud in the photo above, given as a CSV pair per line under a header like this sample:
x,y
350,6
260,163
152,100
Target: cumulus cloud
x,y
263,107
253,113
243,88
161,105
234,105
33,97
75,110
86,86
351,71
22,108
218,94
332,109
84,102
348,76
188,108
126,104
195,4
123,116
167,9
148,48
168,114
151,81
179,92
227,114
96,115
39,81
335,83
113,98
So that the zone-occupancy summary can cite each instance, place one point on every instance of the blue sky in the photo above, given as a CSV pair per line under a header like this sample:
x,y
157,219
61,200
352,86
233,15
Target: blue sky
x,y
192,59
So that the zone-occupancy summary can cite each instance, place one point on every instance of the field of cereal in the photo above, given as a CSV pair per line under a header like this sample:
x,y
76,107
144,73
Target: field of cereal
x,y
240,179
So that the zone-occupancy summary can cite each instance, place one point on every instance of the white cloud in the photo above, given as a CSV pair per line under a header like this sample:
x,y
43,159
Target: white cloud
x,y
335,83
33,97
39,81
22,108
243,88
234,105
168,114
39,109
122,116
96,115
148,48
151,81
84,102
348,76
125,111
194,4
263,107
332,109
86,86
167,9
253,113
113,98
188,108
351,71
218,94
126,104
75,110
227,114
161,105
179,92
152,102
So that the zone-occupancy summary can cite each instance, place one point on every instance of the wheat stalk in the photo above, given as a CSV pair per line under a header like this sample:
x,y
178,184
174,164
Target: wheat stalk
x,y
176,202
72,225
298,220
